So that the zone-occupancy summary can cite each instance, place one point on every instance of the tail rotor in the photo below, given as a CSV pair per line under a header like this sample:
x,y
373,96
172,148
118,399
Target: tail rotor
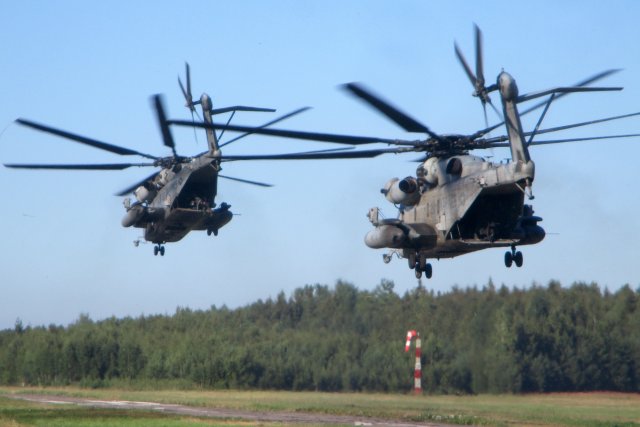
x,y
189,102
477,80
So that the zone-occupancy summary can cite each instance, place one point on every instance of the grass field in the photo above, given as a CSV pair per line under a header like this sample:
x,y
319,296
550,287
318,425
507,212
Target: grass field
x,y
557,409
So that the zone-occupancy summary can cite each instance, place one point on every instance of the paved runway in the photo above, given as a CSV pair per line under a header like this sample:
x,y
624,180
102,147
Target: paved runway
x,y
279,417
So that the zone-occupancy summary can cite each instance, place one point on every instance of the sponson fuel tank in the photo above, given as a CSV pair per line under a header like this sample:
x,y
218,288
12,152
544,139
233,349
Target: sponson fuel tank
x,y
132,216
139,213
399,235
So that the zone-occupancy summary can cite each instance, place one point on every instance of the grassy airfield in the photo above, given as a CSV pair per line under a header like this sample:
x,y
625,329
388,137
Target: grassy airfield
x,y
557,409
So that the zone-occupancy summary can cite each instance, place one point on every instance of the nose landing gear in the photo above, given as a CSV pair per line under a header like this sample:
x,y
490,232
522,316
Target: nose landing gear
x,y
158,249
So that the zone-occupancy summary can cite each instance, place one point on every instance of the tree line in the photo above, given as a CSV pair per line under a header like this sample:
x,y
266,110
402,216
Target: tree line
x,y
340,338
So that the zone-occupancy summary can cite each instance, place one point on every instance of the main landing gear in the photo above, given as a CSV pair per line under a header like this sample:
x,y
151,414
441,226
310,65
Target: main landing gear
x,y
158,249
419,263
213,231
513,257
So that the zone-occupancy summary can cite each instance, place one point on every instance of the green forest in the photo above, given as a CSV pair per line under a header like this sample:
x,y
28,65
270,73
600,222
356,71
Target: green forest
x,y
474,340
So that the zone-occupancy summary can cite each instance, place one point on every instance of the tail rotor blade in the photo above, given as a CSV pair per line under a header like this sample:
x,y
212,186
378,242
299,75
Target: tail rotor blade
x,y
465,66
494,108
188,71
484,111
477,80
479,61
185,94
186,91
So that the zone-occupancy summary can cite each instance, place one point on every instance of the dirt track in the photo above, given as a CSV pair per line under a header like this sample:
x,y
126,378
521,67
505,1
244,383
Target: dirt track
x,y
280,417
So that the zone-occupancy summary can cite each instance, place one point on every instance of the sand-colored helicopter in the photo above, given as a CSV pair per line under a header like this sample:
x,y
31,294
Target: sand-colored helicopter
x,y
180,196
458,203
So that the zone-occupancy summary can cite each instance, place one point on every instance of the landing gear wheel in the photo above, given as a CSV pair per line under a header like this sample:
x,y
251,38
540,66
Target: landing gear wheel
x,y
412,261
161,250
422,263
156,249
518,259
508,259
418,273
428,271
209,231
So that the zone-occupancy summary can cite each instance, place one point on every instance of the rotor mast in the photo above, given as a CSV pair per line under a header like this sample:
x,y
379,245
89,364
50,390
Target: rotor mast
x,y
509,95
212,140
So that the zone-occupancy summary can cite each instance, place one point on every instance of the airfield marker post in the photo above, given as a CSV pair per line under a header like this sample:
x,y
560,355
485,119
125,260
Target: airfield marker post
x,y
417,372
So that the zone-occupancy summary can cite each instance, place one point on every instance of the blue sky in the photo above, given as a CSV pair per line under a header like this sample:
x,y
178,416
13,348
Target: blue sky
x,y
90,68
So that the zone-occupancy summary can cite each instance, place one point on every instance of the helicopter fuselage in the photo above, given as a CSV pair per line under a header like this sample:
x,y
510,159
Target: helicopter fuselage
x,y
178,200
457,205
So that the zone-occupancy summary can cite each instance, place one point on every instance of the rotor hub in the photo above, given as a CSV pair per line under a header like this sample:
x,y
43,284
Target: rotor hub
x,y
508,87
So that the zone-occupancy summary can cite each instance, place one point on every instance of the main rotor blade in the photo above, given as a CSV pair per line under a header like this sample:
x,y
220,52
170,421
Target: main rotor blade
x,y
310,136
104,166
561,141
485,131
361,154
84,140
564,90
540,119
591,122
167,138
406,122
279,119
241,108
132,187
502,138
270,156
584,82
592,138
246,181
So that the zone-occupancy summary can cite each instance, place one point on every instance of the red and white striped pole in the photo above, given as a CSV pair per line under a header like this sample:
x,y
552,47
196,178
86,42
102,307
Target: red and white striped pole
x,y
417,372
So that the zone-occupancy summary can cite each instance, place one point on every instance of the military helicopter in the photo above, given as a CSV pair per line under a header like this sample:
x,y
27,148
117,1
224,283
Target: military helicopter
x,y
180,196
458,203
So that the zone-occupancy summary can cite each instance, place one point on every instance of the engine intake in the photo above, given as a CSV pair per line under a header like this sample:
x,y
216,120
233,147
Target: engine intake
x,y
403,191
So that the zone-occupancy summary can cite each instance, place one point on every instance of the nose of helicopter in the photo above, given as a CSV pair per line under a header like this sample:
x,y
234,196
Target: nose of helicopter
x,y
508,87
